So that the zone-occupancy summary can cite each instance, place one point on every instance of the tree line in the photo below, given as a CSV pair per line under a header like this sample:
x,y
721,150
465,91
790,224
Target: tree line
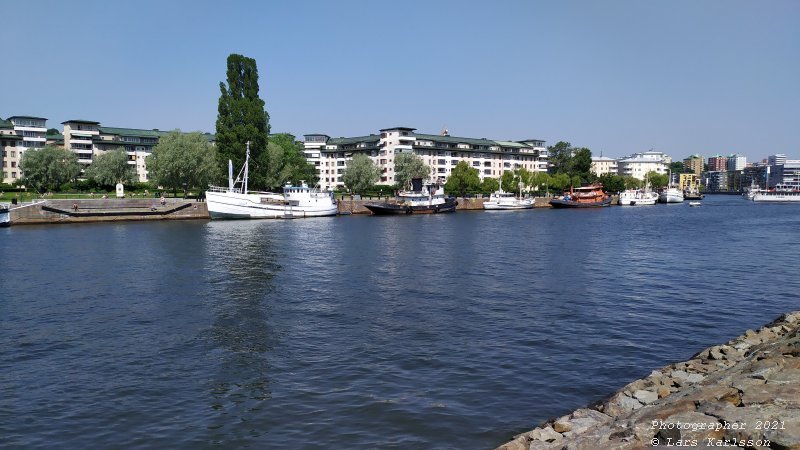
x,y
187,160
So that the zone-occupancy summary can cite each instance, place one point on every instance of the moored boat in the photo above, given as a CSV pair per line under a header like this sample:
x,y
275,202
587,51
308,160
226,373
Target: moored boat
x,y
591,196
501,200
419,200
671,195
780,194
637,197
238,203
4,216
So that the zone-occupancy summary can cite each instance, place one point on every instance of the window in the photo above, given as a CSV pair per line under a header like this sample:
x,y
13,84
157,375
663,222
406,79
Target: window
x,y
13,164
13,174
442,161
476,163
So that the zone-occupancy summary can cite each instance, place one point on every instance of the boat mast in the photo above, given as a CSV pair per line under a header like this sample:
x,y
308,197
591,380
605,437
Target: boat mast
x,y
246,167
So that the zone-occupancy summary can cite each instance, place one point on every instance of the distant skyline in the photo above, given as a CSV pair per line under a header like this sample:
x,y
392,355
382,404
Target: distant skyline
x,y
618,77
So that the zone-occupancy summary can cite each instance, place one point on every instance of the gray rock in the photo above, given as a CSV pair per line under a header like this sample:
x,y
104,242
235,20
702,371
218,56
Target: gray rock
x,y
695,378
645,397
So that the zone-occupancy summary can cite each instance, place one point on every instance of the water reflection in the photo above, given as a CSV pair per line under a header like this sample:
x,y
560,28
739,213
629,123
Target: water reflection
x,y
241,264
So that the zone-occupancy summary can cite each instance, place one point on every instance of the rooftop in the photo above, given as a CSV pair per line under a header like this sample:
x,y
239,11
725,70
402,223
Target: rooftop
x,y
91,122
27,117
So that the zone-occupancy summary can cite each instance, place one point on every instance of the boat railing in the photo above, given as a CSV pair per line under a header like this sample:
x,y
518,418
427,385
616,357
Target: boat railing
x,y
224,189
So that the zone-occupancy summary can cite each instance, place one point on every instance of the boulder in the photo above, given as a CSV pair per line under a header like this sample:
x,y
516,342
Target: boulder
x,y
645,397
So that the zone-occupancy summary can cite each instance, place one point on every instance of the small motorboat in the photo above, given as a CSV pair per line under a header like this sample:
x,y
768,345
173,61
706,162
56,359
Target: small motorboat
x,y
695,204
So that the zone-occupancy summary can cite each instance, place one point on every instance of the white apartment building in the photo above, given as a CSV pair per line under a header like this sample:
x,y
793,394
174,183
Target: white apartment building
x,y
736,162
439,152
88,140
17,135
602,165
639,164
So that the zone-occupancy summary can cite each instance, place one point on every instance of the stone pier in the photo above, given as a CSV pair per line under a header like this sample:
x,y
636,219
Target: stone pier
x,y
106,210
742,394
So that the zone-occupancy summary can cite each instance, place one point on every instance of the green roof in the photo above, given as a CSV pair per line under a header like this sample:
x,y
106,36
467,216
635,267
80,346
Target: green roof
x,y
27,117
455,139
133,132
12,137
511,144
353,140
56,137
91,122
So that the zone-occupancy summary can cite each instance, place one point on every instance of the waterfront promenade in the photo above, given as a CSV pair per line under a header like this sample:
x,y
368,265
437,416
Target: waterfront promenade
x,y
742,394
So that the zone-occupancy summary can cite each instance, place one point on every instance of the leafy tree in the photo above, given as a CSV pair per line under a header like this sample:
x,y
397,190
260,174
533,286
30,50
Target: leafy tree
x,y
633,183
677,167
111,168
52,132
657,180
560,157
489,185
509,181
241,117
463,179
408,166
183,160
48,168
560,181
612,182
582,163
361,173
540,180
284,162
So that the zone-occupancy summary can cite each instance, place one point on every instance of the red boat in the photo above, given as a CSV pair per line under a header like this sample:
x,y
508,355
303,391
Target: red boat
x,y
591,196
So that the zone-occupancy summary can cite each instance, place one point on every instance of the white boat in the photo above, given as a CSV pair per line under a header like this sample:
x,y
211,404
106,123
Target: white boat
x,y
781,193
234,202
671,195
506,200
695,204
637,197
4,216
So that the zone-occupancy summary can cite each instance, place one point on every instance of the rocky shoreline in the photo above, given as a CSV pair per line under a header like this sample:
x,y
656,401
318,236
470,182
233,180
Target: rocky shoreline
x,y
743,394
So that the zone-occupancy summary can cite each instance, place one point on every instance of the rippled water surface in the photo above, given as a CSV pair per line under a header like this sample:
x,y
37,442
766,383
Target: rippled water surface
x,y
445,331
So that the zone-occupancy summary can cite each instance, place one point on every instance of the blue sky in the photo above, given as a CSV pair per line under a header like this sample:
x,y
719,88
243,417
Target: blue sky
x,y
618,76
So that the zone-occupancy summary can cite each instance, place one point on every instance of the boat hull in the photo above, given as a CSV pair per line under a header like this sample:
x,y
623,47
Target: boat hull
x,y
670,197
559,203
386,209
224,205
4,218
777,197
495,206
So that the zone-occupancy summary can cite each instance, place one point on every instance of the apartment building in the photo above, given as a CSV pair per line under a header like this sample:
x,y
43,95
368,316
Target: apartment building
x,y
17,135
639,164
88,140
694,164
736,162
439,152
717,163
602,165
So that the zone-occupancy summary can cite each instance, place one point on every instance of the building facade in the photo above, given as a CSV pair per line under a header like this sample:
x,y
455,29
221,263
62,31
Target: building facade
x,y
639,164
694,164
17,135
602,165
717,163
736,162
439,152
89,140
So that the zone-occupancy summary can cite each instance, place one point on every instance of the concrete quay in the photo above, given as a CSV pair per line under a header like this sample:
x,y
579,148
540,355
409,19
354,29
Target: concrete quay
x,y
349,206
106,210
743,394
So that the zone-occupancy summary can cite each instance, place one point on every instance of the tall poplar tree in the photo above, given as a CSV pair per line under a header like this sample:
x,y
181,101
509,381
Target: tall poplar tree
x,y
241,117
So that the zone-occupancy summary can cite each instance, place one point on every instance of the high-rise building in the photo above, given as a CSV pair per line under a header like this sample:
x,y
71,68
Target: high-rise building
x,y
736,162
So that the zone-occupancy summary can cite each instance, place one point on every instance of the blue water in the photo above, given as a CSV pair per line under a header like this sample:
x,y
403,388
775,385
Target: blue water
x,y
444,331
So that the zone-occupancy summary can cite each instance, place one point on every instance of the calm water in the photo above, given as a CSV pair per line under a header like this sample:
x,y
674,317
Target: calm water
x,y
451,331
